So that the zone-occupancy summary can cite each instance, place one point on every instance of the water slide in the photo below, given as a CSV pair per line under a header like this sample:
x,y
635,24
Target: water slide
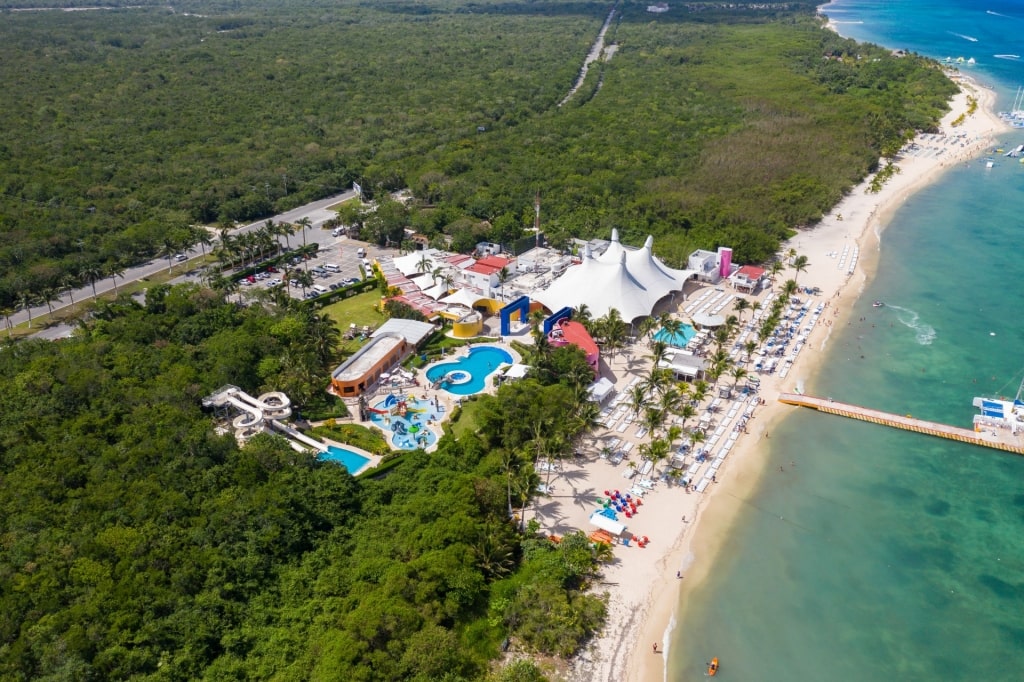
x,y
297,436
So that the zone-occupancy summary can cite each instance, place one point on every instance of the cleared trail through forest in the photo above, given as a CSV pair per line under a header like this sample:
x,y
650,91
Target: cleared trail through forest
x,y
595,53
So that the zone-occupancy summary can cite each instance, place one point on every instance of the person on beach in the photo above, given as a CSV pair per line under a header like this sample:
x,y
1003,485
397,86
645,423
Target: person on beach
x,y
655,647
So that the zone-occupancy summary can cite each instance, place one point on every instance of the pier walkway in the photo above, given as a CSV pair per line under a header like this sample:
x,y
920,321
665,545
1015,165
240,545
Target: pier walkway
x,y
1000,440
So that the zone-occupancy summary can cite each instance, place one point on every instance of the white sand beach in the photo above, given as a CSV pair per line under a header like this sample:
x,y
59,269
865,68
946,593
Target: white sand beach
x,y
642,582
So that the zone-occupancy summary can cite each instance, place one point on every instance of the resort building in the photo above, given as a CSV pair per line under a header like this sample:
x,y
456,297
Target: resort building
x,y
568,331
711,266
684,366
747,279
392,343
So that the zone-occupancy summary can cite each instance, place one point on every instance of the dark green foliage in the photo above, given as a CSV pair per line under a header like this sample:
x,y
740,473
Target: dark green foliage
x,y
720,123
139,544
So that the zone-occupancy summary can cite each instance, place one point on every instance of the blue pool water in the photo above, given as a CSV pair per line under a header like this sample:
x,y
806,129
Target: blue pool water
x,y
679,339
407,420
478,365
346,458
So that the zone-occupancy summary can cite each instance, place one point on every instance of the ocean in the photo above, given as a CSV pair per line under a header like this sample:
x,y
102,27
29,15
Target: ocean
x,y
877,554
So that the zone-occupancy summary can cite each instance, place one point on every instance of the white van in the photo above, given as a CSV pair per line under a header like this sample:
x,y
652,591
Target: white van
x,y
333,267
320,289
337,232
361,252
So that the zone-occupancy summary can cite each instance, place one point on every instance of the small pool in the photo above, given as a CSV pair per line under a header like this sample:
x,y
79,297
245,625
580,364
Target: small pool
x,y
352,461
407,419
679,339
468,375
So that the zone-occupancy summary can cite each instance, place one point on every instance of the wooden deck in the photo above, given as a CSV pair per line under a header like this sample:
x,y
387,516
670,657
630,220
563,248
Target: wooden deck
x,y
986,439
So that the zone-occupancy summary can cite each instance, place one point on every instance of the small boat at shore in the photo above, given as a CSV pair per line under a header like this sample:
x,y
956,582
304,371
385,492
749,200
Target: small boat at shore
x,y
713,667
878,304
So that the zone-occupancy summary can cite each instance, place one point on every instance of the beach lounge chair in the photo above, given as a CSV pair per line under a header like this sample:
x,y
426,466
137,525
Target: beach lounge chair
x,y
616,457
637,491
646,483
628,472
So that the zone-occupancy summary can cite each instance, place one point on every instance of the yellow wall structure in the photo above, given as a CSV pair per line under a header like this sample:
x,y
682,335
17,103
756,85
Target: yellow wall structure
x,y
466,330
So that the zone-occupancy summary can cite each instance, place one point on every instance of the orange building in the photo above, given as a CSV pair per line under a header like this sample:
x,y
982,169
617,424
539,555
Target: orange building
x,y
396,340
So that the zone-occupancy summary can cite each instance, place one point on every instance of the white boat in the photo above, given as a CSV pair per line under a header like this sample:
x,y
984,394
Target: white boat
x,y
1000,412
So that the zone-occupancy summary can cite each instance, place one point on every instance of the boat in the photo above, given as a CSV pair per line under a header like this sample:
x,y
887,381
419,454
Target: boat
x,y
878,304
1000,412
713,667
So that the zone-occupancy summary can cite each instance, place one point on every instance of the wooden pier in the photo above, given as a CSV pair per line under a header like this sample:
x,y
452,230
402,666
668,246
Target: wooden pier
x,y
986,439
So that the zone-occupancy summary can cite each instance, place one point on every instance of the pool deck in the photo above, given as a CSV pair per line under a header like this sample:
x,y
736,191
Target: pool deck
x,y
424,392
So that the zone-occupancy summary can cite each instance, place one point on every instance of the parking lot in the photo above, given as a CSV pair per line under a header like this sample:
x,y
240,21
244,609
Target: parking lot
x,y
335,265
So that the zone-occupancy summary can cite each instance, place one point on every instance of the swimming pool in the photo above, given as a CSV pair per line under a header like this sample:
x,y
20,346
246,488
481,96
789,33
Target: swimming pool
x,y
350,460
679,339
407,419
468,375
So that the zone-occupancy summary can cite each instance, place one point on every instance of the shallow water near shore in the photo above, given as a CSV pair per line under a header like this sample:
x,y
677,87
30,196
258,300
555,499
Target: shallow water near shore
x,y
875,553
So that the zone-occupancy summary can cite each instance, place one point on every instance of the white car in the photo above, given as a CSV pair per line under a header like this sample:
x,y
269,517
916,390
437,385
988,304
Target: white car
x,y
275,282
180,257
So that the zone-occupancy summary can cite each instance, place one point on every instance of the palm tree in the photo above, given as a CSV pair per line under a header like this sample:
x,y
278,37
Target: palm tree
x,y
168,247
201,236
700,390
659,350
7,312
800,264
749,347
775,268
647,326
27,299
113,270
503,276
741,305
636,397
657,451
581,314
423,265
789,289
68,283
305,224
304,279
92,272
323,335
48,295
738,374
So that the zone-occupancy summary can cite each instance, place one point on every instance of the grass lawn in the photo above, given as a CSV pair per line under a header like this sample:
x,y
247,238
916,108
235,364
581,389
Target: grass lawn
x,y
358,310
467,418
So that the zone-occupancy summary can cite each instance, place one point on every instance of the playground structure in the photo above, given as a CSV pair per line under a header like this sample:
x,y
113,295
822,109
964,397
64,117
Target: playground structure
x,y
407,420
255,415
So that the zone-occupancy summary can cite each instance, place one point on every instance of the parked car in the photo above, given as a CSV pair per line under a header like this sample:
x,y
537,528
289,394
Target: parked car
x,y
271,268
250,279
293,282
276,282
334,285
180,257
350,281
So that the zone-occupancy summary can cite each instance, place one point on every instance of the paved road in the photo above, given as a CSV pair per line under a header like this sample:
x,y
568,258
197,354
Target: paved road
x,y
316,212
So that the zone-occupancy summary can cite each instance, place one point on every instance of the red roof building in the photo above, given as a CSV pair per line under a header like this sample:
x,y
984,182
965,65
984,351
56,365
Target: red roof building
x,y
569,331
748,278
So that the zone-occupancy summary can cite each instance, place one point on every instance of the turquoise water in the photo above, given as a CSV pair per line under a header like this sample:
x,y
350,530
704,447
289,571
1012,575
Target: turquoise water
x,y
878,554
410,430
348,459
479,364
678,339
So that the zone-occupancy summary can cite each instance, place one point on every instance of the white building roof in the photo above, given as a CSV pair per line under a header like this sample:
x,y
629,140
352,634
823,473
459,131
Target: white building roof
x,y
413,331
630,280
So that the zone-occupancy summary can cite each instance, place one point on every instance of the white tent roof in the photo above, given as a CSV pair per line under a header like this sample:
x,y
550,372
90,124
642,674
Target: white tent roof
x,y
604,523
463,297
437,291
600,389
630,280
516,371
708,320
409,264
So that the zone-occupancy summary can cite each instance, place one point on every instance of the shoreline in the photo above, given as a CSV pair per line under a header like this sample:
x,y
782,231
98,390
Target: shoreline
x,y
649,609
863,217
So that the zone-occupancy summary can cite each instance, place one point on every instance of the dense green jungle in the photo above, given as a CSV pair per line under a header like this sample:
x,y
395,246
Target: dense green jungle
x,y
138,543
712,124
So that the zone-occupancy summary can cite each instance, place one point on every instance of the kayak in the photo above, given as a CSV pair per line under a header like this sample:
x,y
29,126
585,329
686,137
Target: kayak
x,y
713,667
